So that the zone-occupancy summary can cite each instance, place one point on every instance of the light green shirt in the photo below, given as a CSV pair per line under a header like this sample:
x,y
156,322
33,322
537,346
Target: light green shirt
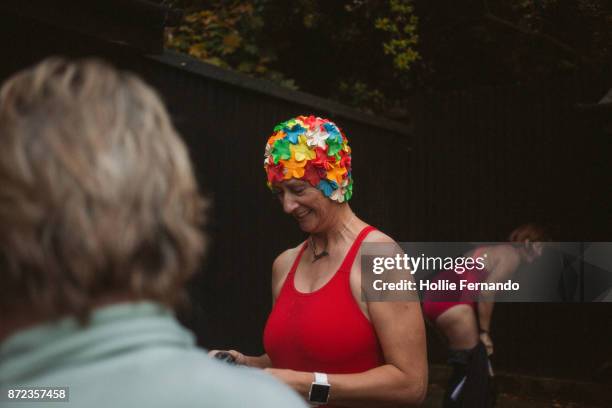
x,y
131,355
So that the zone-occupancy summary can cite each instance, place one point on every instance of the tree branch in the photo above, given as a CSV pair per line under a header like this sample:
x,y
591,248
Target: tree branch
x,y
552,40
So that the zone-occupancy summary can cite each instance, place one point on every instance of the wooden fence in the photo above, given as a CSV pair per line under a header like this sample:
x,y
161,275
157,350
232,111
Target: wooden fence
x,y
471,166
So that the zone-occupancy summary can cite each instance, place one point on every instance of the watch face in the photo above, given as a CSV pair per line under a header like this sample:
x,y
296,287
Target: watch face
x,y
319,393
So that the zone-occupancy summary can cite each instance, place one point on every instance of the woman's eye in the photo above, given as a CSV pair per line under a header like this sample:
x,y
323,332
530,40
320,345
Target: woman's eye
x,y
299,190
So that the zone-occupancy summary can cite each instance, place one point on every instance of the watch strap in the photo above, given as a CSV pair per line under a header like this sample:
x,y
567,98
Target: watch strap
x,y
321,378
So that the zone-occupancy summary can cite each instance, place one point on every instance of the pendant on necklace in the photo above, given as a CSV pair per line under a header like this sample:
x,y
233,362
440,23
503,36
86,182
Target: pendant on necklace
x,y
319,256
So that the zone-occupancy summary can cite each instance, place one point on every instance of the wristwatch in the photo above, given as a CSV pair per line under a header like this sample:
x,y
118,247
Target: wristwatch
x,y
319,390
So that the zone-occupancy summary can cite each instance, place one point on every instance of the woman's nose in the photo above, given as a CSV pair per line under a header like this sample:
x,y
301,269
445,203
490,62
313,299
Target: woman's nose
x,y
289,203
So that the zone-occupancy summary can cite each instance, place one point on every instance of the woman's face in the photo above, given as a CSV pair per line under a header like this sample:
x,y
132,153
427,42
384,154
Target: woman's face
x,y
531,251
305,203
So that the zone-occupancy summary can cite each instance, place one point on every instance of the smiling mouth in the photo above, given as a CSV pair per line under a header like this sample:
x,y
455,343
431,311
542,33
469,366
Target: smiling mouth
x,y
302,215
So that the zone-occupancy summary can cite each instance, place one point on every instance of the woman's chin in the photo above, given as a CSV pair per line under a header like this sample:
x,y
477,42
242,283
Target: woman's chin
x,y
306,224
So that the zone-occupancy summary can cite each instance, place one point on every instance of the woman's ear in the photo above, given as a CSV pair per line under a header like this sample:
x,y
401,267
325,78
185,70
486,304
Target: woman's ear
x,y
537,248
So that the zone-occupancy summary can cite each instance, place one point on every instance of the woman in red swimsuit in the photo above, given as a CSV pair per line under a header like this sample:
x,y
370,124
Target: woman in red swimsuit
x,y
321,338
465,323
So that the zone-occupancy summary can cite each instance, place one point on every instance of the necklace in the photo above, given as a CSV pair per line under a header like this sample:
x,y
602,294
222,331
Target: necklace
x,y
321,254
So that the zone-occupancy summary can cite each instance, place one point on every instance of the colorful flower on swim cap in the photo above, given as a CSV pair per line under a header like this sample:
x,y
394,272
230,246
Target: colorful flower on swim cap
x,y
312,149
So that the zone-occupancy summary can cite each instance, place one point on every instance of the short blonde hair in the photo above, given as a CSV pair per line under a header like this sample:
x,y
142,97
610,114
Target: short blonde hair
x,y
97,193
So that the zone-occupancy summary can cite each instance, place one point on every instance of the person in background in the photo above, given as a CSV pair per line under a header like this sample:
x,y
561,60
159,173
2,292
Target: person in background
x,y
465,321
101,228
323,338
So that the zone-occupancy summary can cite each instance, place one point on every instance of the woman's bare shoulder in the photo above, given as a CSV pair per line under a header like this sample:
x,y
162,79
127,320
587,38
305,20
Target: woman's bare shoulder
x,y
378,236
504,258
383,244
286,256
506,251
283,262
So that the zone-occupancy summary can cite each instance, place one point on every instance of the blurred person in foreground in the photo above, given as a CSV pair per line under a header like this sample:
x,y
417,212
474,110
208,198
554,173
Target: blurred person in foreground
x,y
324,337
464,318
101,223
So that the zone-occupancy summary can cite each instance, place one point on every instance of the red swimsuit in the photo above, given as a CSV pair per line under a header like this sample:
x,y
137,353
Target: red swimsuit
x,y
325,330
438,302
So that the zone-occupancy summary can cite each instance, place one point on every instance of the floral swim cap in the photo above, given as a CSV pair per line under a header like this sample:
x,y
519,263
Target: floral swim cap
x,y
314,150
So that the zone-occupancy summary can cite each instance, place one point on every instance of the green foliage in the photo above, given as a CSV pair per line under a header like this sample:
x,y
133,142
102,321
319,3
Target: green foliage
x,y
401,26
372,54
226,34
353,51
346,50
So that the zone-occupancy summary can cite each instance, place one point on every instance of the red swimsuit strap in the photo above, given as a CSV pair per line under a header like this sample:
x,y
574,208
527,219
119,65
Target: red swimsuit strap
x,y
297,260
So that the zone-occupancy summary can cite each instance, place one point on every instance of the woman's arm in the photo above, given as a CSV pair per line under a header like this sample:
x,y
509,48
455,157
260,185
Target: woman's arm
x,y
403,379
485,312
504,263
